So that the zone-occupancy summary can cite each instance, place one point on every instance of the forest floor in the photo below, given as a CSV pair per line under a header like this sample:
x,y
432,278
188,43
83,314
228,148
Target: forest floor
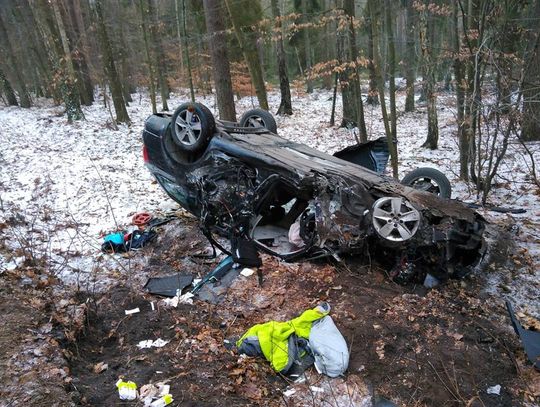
x,y
66,338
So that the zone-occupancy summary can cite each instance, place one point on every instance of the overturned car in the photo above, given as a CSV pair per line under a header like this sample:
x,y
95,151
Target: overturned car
x,y
244,181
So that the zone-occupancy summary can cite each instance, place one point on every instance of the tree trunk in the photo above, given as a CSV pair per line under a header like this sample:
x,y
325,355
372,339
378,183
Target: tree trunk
x,y
55,45
531,99
24,97
7,90
247,40
184,49
392,147
149,62
159,56
123,52
410,60
347,94
307,47
285,106
360,120
372,98
86,89
459,74
110,69
38,50
391,71
220,59
426,26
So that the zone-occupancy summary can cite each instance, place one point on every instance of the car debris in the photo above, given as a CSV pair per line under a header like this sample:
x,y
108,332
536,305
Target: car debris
x,y
248,184
529,339
292,346
216,274
168,286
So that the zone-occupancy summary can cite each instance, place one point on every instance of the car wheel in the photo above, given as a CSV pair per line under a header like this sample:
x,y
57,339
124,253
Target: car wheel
x,y
429,180
259,118
395,219
192,127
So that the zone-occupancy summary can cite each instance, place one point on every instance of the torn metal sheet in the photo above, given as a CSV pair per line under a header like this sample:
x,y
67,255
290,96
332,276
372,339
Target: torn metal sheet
x,y
168,286
529,339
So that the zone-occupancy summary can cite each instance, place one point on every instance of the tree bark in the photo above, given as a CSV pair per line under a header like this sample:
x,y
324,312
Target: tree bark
x,y
10,56
347,93
220,59
307,47
184,49
7,90
149,62
391,71
426,26
531,94
247,40
459,75
410,59
159,56
360,120
110,69
392,146
285,106
86,88
47,24
372,98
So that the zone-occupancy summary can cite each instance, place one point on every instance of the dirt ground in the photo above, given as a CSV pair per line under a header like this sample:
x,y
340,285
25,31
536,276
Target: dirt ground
x,y
414,346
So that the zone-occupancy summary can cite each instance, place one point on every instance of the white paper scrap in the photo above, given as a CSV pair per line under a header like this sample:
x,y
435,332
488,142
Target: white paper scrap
x,y
289,393
132,311
149,343
316,389
247,272
494,390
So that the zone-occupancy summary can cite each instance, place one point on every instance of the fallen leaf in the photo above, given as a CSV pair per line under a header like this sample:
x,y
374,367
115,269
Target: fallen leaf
x,y
100,367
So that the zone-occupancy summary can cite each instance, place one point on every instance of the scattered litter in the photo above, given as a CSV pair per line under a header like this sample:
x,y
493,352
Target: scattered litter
x,y
247,272
494,390
151,394
196,281
316,389
126,390
152,305
149,343
289,393
162,401
168,286
100,367
186,298
132,311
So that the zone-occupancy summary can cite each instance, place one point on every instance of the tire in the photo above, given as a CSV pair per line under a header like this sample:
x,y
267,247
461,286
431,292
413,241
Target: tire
x,y
429,180
259,118
193,126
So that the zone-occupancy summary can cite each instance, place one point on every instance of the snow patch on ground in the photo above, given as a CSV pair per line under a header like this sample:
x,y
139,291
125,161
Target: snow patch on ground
x,y
63,186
